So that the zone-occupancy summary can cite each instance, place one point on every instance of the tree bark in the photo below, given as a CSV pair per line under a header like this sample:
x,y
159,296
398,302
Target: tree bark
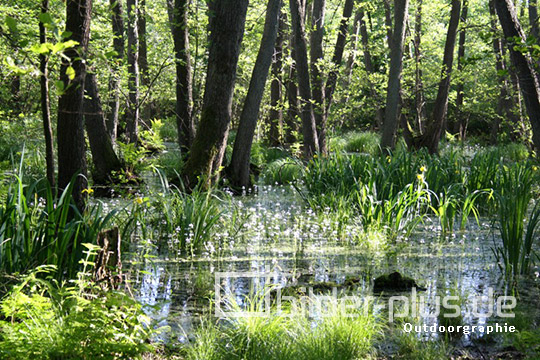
x,y
337,59
524,65
114,82
104,157
275,118
184,88
132,112
45,105
293,111
309,129
352,54
391,115
239,167
143,46
419,99
432,136
71,144
460,125
388,21
379,112
317,82
506,106
227,30
533,19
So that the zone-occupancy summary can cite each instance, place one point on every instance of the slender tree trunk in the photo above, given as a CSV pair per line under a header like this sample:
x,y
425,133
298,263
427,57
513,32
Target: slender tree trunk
x,y
368,64
143,46
309,129
275,118
132,112
184,89
45,106
460,121
533,19
391,115
227,30
419,100
506,105
114,82
103,156
524,65
293,111
239,167
388,21
71,144
317,81
358,17
431,138
337,59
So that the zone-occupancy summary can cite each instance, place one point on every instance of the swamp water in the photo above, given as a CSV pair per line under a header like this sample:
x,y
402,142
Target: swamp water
x,y
285,245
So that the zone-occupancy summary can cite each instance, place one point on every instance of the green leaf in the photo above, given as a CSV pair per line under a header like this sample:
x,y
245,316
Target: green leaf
x,y
45,18
59,86
70,72
66,34
11,23
41,48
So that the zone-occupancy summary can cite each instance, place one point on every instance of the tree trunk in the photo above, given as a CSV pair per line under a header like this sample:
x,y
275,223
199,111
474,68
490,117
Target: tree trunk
x,y
337,59
114,82
143,47
317,82
431,138
239,167
45,106
460,121
293,111
103,156
276,92
388,21
309,130
391,115
379,112
132,112
227,30
71,144
184,89
419,100
506,106
352,54
533,19
524,65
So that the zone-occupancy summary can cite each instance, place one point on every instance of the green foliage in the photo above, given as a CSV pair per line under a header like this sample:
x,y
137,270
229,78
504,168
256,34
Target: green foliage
x,y
514,194
43,319
333,337
283,171
365,142
186,221
151,138
134,160
37,228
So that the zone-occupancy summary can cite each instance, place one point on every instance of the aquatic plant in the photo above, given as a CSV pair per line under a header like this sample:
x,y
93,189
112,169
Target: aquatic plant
x,y
37,228
283,171
280,337
514,193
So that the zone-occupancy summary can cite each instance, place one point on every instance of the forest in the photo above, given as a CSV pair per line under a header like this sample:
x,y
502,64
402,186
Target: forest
x,y
268,179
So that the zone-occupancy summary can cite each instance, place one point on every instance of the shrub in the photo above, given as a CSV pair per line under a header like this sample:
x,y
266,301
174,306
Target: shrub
x,y
45,320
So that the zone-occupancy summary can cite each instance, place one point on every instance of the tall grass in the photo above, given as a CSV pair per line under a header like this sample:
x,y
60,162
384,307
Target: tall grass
x,y
279,337
37,228
188,221
514,194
